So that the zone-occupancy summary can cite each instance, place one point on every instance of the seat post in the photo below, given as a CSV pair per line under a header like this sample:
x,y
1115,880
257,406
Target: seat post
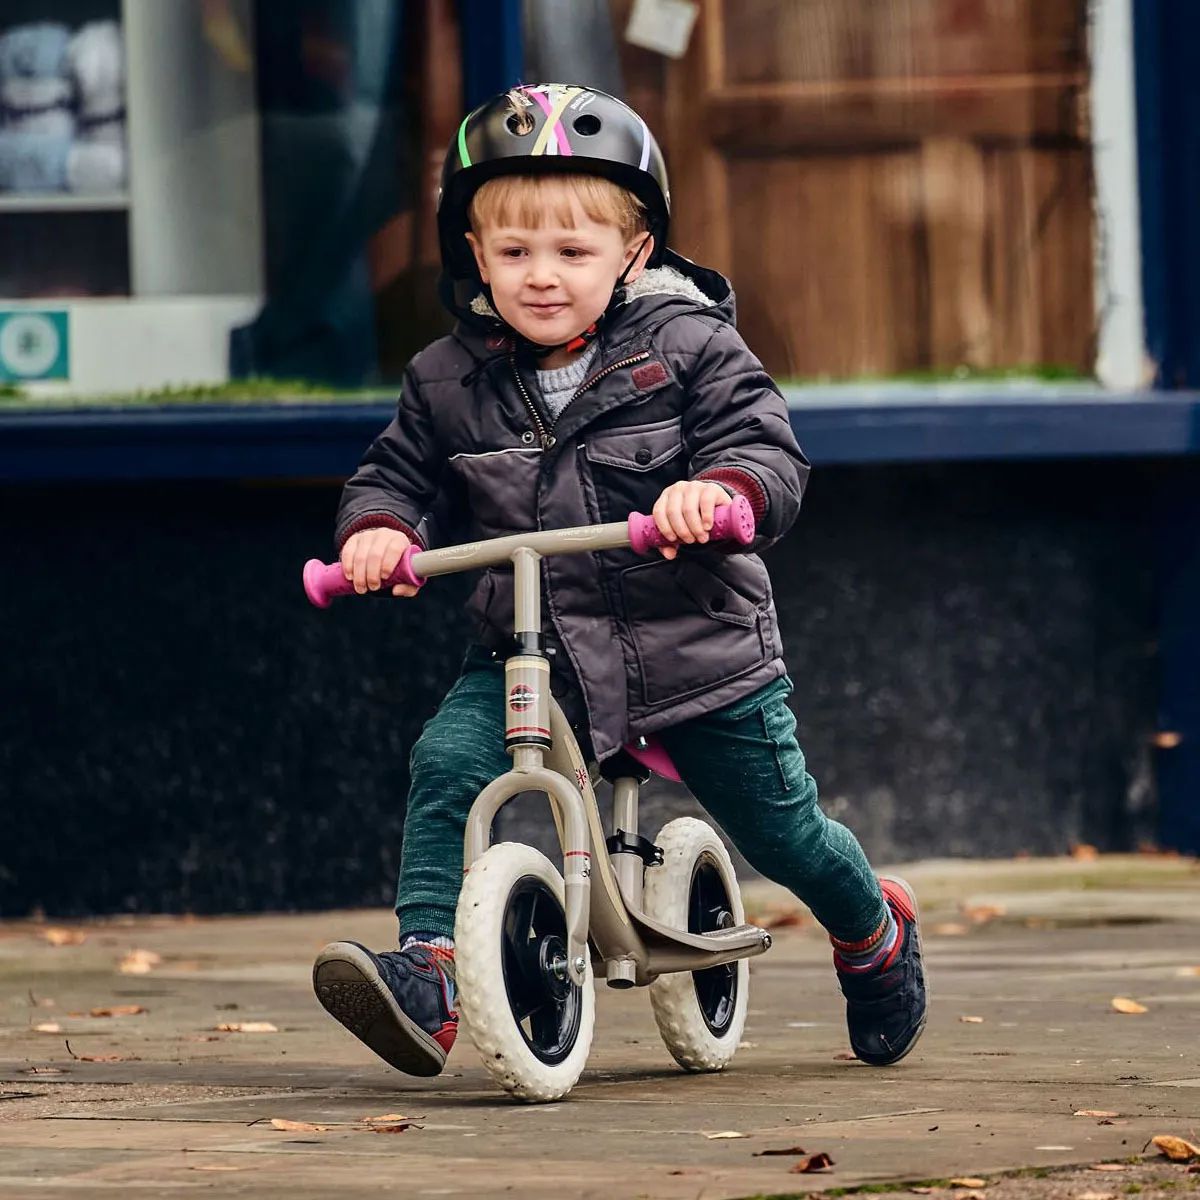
x,y
629,868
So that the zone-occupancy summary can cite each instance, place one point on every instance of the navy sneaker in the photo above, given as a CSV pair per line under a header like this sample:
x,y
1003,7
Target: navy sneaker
x,y
885,1007
400,1003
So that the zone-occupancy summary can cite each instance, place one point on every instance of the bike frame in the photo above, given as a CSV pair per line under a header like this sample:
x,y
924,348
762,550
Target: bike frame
x,y
603,893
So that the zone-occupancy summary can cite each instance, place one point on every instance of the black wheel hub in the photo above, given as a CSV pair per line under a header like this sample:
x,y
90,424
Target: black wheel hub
x,y
709,909
545,1004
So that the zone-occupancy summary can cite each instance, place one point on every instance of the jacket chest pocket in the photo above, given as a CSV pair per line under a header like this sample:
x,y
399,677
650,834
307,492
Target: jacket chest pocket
x,y
630,467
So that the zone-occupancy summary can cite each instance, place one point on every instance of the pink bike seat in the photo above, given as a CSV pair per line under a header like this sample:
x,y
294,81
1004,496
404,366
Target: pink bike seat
x,y
650,753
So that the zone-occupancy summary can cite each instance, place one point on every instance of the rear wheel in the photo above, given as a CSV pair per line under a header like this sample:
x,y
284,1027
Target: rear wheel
x,y
700,1014
530,1023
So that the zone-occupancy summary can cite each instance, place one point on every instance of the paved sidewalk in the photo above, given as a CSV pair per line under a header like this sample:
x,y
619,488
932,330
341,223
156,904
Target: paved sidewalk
x,y
1034,958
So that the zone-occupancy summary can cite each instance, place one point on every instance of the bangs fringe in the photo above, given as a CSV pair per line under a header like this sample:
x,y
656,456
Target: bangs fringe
x,y
533,202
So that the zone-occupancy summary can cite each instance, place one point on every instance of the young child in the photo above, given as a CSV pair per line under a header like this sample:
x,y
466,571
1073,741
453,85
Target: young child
x,y
594,372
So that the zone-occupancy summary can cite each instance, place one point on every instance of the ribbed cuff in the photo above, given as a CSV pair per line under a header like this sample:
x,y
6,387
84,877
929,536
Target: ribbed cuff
x,y
421,918
377,521
741,482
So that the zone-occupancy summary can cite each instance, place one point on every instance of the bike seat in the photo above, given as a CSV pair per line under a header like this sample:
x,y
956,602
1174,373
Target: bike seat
x,y
650,752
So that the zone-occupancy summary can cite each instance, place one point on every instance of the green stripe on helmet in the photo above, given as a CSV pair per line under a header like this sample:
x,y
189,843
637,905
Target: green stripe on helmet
x,y
463,157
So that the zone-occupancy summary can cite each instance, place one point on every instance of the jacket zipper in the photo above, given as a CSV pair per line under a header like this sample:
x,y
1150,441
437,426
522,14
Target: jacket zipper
x,y
546,438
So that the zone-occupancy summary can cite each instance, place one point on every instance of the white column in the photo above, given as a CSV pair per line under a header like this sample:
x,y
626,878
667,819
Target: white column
x,y
1121,360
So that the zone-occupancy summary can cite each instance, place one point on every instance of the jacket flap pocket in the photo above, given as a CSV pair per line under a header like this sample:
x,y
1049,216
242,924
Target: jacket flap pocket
x,y
640,449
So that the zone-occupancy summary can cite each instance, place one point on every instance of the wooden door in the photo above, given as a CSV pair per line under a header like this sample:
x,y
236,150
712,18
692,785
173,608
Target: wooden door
x,y
893,185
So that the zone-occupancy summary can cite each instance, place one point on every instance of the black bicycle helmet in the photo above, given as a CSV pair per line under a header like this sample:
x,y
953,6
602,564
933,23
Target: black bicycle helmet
x,y
549,128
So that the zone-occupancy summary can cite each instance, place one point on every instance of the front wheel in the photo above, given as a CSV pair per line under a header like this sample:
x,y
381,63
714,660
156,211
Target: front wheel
x,y
700,1014
530,1023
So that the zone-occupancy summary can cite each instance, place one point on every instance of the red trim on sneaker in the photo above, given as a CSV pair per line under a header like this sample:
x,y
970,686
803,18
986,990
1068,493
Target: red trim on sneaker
x,y
865,944
446,1035
897,899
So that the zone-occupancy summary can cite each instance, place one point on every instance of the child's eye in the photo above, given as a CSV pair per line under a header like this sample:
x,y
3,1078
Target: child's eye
x,y
511,252
574,252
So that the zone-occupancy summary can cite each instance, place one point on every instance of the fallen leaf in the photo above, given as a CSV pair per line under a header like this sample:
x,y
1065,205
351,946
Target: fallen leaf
x,y
1188,972
1193,1170
247,1027
1108,1167
783,918
1082,852
969,1181
214,1167
1123,1004
812,1162
948,928
97,1057
139,962
971,1020
389,1119
201,1037
298,1126
846,1056
56,935
1094,1112
43,1071
119,1010
1096,1196
48,1027
980,914
924,1191
725,1133
1175,1148
789,1150
390,1128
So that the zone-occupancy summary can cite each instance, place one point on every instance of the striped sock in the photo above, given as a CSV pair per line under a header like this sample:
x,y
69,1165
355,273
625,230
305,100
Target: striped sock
x,y
872,953
439,946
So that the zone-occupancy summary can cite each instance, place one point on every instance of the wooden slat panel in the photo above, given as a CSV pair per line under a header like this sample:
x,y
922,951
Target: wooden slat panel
x,y
807,40
786,118
1039,256
827,262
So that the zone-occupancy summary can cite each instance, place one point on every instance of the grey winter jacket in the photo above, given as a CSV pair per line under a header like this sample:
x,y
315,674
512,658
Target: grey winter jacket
x,y
673,393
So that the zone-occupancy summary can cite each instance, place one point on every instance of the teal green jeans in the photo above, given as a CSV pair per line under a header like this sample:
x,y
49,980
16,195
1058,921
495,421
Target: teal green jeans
x,y
741,762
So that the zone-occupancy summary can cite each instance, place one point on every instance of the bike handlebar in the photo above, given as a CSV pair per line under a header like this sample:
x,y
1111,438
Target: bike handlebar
x,y
324,582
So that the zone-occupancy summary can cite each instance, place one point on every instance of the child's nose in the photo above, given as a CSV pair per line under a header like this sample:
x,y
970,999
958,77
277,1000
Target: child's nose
x,y
542,273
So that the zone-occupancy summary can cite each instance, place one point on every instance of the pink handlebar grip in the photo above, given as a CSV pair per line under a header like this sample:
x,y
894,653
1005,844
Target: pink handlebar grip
x,y
323,583
731,522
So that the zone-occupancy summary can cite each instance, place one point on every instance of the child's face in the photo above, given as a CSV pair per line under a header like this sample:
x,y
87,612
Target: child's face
x,y
551,283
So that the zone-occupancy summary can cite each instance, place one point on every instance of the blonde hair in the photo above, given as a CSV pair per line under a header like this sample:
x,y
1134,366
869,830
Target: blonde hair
x,y
534,201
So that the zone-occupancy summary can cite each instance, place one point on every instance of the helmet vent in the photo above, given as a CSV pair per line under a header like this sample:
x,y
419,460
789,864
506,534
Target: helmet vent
x,y
520,123
587,124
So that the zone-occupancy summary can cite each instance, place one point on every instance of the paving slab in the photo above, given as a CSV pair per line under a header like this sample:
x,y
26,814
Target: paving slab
x,y
1032,952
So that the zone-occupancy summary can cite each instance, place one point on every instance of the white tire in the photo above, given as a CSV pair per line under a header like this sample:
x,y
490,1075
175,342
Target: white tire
x,y
700,1014
510,916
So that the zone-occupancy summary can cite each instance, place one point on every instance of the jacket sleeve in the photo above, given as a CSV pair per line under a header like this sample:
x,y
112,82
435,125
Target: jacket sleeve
x,y
397,484
737,433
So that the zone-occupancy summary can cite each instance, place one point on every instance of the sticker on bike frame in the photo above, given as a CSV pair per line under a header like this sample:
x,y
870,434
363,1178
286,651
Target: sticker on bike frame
x,y
522,698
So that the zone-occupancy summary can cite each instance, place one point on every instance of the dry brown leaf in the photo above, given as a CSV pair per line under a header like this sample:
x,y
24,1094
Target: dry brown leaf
x,y
971,1020
48,1027
1123,1004
1188,972
1082,852
119,1010
1094,1112
810,1163
57,935
980,914
247,1027
948,928
725,1133
389,1119
390,1128
969,1181
788,1150
783,918
43,1071
846,1056
298,1126
1108,1167
1175,1148
139,962
924,1191
1096,1196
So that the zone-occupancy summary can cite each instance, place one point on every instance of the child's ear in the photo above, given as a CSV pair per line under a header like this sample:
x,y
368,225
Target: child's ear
x,y
477,250
642,248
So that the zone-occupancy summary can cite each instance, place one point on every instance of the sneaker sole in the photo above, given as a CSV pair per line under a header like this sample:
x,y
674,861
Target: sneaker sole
x,y
351,991
916,1037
